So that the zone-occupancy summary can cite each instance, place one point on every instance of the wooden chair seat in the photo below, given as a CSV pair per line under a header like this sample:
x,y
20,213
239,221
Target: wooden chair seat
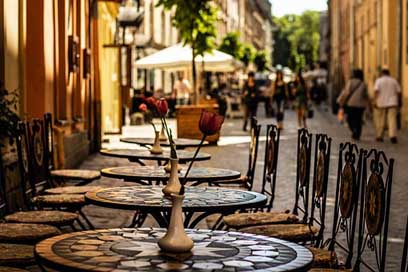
x,y
290,232
11,269
323,258
239,182
241,220
25,233
70,201
54,218
329,270
72,190
76,174
16,255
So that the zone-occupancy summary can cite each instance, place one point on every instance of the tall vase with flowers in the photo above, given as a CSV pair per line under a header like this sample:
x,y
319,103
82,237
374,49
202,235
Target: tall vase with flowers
x,y
156,148
176,240
160,109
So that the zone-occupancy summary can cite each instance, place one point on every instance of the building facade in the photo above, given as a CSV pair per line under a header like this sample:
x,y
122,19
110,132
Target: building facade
x,y
46,55
369,35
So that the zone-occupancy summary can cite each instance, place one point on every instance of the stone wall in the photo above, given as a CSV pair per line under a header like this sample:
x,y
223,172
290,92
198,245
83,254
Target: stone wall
x,y
76,149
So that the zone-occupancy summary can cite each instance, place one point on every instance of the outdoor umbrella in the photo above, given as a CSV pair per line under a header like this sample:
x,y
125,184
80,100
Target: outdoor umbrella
x,y
179,57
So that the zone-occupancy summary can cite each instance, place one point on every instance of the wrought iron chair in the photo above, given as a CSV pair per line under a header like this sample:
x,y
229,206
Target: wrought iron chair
x,y
50,217
345,211
247,180
404,264
60,176
17,240
375,200
302,229
264,215
39,177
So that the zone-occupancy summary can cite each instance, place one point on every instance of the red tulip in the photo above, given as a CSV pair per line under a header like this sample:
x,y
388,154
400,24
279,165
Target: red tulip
x,y
210,122
151,101
143,107
162,107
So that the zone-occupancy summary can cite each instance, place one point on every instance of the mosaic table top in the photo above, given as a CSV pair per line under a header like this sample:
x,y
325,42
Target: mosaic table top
x,y
181,143
137,250
138,154
196,198
136,173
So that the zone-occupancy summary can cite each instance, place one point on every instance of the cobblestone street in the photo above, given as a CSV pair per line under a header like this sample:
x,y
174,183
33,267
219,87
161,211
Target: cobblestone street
x,y
232,153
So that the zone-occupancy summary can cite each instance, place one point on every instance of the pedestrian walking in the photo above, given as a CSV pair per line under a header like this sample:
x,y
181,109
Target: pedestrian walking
x,y
251,98
301,95
279,95
182,90
387,102
353,101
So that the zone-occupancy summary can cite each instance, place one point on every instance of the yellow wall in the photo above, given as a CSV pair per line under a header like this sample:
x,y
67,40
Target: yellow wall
x,y
109,68
405,62
11,25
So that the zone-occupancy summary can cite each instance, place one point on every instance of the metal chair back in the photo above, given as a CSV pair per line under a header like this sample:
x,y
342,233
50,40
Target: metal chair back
x,y
271,164
346,201
253,153
404,263
320,182
3,199
375,200
39,172
49,140
24,158
304,153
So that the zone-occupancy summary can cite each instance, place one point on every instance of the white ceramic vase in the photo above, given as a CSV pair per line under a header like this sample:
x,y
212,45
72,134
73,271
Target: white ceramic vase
x,y
173,184
163,136
156,148
167,168
176,240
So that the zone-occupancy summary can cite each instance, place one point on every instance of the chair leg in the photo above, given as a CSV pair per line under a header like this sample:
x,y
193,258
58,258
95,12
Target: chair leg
x,y
81,225
88,222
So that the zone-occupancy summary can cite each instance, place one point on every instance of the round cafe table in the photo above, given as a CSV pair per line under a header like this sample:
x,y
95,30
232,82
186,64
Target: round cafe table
x,y
138,155
137,250
181,143
149,174
150,200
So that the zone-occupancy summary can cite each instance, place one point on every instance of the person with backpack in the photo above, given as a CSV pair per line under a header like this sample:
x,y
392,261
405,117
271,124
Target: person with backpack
x,y
353,100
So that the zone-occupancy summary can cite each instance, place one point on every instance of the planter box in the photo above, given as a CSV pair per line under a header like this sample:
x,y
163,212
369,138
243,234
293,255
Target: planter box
x,y
188,118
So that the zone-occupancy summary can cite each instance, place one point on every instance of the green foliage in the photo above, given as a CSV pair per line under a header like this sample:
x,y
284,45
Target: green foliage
x,y
260,61
8,116
195,21
231,45
297,40
247,55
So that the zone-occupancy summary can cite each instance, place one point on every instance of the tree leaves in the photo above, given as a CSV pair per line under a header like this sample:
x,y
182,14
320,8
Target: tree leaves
x,y
297,40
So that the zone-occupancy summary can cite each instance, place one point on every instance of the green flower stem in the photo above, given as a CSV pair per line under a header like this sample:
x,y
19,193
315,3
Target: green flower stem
x,y
173,153
191,163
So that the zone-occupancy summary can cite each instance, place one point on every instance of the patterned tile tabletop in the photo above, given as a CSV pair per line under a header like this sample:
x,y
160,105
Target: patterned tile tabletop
x,y
137,250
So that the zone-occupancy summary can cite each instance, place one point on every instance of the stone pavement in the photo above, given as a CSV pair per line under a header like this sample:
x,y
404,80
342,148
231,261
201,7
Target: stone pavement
x,y
232,152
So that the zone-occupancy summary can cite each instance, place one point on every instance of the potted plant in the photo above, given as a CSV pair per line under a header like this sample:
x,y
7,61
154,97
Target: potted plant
x,y
8,116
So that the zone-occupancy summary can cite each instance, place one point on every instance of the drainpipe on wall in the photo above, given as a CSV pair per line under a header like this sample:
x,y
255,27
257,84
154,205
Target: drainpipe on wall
x,y
379,34
352,59
400,29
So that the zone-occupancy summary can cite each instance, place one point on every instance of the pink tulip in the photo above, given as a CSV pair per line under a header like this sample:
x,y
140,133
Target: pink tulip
x,y
210,122
143,107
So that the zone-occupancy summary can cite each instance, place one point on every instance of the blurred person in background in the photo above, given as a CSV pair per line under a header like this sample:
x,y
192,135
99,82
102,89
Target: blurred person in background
x,y
182,90
301,95
353,101
251,98
279,95
387,93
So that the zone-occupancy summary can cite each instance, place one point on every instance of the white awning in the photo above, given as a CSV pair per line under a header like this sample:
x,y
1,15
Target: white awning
x,y
179,57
